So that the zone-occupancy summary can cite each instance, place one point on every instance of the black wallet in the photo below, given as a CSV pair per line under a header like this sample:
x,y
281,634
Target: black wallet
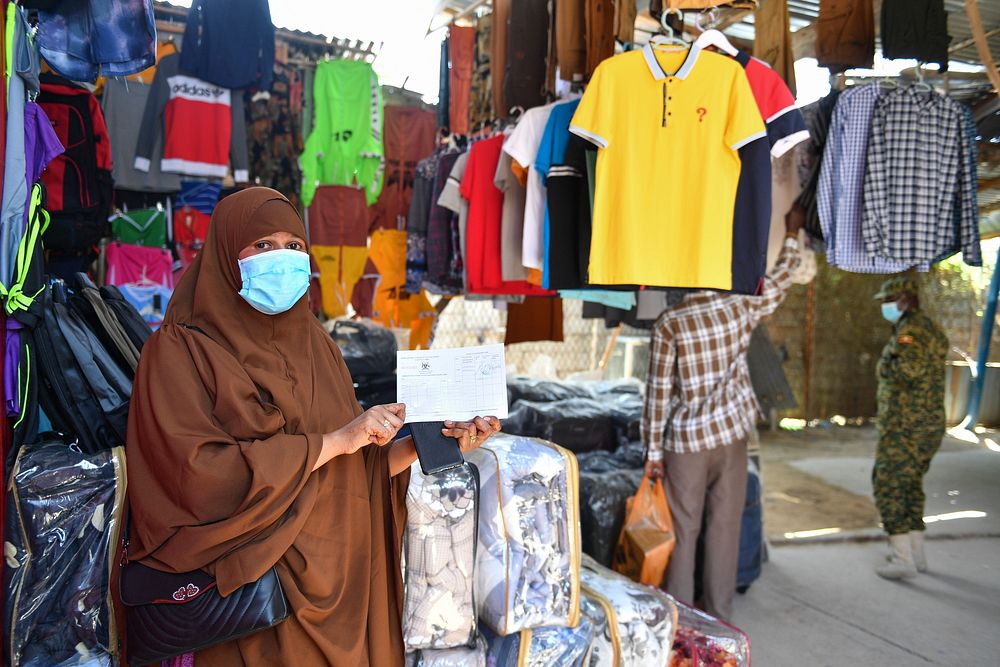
x,y
436,452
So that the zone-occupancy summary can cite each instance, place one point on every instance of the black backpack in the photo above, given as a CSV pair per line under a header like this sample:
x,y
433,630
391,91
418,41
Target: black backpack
x,y
136,328
81,387
88,302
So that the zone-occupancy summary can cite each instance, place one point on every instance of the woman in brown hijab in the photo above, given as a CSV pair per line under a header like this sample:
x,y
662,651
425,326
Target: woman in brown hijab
x,y
248,450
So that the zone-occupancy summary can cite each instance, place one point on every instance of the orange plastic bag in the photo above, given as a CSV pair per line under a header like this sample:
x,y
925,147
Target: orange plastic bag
x,y
647,538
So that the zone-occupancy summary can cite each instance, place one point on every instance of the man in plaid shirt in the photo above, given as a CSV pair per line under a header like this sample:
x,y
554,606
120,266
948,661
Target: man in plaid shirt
x,y
700,409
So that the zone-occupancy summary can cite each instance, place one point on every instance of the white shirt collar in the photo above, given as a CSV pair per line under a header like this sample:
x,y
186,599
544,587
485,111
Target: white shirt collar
x,y
656,69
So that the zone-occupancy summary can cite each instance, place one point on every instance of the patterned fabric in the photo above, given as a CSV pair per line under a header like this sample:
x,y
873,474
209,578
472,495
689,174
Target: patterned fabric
x,y
199,195
901,461
481,107
817,115
452,657
186,660
911,382
274,137
642,620
602,646
967,207
841,181
440,546
703,634
917,153
529,535
546,647
698,390
418,222
441,245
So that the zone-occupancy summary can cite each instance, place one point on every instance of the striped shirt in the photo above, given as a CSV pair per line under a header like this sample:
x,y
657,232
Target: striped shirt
x,y
698,391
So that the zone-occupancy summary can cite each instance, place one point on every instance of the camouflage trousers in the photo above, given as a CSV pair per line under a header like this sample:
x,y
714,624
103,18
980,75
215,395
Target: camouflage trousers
x,y
901,461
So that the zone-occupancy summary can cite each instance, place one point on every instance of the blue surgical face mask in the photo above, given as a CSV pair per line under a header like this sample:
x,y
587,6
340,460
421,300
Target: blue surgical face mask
x,y
891,311
274,281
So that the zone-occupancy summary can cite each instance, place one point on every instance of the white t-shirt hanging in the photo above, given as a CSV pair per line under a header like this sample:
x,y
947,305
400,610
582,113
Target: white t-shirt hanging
x,y
522,145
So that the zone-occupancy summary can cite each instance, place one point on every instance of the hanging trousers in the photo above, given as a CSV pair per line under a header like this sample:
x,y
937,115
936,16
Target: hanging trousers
x,y
707,486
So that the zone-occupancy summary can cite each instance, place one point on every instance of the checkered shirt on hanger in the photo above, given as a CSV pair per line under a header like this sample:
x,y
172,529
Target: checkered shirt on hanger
x,y
915,160
841,181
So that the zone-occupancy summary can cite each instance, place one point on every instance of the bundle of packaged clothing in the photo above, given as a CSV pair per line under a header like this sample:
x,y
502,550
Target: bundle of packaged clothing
x,y
495,575
581,416
369,352
73,359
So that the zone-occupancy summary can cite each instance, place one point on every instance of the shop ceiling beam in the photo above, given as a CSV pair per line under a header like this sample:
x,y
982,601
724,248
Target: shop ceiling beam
x,y
732,18
982,44
804,42
966,43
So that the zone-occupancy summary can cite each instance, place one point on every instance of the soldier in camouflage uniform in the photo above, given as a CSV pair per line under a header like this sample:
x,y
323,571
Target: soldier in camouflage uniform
x,y
911,423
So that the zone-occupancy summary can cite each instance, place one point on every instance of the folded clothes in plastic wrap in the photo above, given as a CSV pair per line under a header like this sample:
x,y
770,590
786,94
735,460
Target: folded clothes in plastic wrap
x,y
528,563
465,656
602,646
440,547
64,519
642,620
578,424
542,647
546,391
705,640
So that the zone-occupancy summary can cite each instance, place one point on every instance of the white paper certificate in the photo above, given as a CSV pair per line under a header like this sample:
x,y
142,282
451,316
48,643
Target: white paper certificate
x,y
456,384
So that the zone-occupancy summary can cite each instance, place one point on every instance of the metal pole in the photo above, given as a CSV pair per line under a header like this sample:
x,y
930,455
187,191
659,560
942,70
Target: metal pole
x,y
983,352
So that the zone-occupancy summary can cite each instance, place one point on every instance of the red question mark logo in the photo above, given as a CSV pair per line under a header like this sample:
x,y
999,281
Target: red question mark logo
x,y
701,113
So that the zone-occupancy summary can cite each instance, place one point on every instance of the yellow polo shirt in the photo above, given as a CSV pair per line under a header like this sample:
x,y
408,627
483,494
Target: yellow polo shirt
x,y
668,125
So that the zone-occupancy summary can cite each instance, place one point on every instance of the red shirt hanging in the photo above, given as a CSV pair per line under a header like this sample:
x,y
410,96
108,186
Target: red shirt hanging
x,y
482,253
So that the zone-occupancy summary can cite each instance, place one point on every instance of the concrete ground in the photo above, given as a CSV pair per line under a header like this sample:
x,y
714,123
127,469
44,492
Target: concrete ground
x,y
823,606
819,602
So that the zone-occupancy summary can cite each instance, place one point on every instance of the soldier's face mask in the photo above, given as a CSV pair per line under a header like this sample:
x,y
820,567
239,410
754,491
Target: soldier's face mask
x,y
891,311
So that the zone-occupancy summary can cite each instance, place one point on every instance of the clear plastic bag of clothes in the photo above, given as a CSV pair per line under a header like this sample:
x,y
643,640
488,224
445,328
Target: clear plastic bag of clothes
x,y
642,619
578,424
465,656
705,641
528,563
64,517
439,609
546,391
603,499
602,646
543,647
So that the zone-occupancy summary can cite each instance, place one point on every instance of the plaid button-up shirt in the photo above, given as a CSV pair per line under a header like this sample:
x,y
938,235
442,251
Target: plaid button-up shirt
x,y
841,181
698,391
917,203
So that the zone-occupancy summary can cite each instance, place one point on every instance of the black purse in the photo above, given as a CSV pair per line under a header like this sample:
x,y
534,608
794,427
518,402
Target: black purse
x,y
167,614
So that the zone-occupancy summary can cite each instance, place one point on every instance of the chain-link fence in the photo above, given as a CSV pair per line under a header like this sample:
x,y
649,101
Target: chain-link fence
x,y
465,322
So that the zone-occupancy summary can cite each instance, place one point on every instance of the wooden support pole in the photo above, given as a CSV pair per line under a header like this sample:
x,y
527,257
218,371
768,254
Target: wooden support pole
x,y
982,45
